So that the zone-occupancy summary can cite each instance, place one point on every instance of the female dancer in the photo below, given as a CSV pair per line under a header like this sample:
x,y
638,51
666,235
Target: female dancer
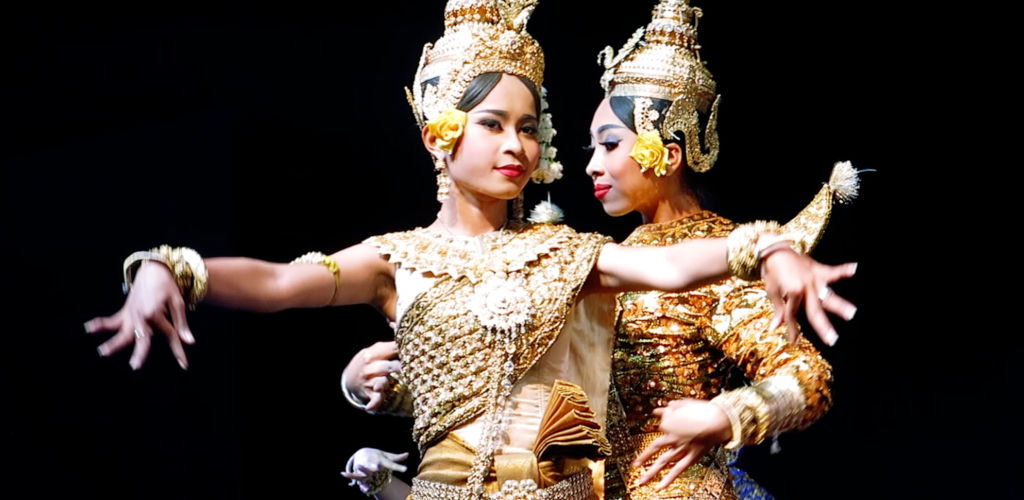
x,y
494,317
706,363
678,347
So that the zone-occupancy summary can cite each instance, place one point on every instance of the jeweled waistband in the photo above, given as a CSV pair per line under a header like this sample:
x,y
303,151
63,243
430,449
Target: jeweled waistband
x,y
579,486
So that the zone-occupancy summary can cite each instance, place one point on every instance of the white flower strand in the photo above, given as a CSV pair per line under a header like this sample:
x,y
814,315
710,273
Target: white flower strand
x,y
548,170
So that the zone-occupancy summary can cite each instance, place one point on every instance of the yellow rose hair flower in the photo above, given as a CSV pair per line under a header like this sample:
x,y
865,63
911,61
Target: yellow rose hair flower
x,y
447,127
650,152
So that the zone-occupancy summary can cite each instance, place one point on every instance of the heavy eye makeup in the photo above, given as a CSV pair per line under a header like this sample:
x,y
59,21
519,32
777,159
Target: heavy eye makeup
x,y
528,125
490,124
609,143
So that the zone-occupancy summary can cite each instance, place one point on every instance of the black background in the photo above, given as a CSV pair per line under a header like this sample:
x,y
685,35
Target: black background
x,y
271,129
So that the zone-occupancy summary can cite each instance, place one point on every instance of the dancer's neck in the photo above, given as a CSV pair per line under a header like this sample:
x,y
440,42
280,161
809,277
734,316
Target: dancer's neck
x,y
463,216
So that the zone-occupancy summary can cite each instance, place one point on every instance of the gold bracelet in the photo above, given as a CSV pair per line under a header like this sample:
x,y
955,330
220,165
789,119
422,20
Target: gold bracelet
x,y
185,264
744,250
132,263
320,258
723,403
759,405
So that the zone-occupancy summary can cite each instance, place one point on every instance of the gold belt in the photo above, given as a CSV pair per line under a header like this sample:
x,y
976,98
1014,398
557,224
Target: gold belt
x,y
578,486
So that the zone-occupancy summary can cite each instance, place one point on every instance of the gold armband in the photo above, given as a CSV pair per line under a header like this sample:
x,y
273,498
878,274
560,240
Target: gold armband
x,y
320,258
185,264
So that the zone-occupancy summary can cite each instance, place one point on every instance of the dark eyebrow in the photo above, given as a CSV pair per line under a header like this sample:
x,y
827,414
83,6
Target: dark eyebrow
x,y
602,128
498,112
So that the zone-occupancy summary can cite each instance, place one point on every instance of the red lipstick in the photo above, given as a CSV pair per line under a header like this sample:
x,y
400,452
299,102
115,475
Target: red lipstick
x,y
511,170
600,190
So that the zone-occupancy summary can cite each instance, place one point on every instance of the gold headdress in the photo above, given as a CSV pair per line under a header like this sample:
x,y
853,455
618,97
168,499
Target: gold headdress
x,y
662,61
480,36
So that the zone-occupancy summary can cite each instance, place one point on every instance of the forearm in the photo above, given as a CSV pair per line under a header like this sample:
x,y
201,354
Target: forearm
x,y
670,268
256,285
359,276
790,386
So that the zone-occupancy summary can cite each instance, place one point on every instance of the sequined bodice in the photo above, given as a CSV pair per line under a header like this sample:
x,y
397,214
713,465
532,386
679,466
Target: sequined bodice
x,y
663,350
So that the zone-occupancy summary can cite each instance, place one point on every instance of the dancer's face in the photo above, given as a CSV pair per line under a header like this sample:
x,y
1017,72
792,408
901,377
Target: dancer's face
x,y
499,150
619,184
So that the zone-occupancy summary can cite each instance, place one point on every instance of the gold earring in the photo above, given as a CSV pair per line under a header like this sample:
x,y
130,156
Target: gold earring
x,y
443,181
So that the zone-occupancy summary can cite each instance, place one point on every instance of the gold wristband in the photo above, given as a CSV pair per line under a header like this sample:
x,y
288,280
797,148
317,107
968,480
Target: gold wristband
x,y
722,402
132,263
320,258
744,248
185,264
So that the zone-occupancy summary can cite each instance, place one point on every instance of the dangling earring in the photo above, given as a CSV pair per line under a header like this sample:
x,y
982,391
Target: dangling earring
x,y
517,207
443,181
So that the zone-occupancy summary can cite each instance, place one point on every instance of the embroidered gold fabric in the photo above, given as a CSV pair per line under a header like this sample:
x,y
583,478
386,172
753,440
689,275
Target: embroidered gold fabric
x,y
816,214
557,467
698,344
449,339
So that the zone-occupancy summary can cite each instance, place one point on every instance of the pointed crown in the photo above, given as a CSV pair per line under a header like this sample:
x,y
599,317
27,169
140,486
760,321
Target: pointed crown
x,y
480,36
662,61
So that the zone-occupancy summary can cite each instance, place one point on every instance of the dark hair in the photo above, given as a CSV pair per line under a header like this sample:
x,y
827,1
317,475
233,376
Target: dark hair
x,y
482,85
623,107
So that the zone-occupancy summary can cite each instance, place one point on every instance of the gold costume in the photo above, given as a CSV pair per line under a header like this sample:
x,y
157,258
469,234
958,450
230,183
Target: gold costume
x,y
506,365
706,343
698,344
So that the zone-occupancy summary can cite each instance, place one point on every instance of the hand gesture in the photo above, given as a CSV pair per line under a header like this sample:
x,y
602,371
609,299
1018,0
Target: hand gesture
x,y
791,278
691,428
366,376
154,303
370,469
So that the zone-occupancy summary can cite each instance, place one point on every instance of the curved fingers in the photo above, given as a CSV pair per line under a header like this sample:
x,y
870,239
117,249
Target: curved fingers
x,y
142,334
173,339
178,317
104,323
839,306
670,455
380,368
818,319
691,456
652,449
119,340
379,351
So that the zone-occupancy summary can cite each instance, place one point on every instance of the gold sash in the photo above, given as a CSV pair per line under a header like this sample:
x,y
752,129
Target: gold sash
x,y
568,442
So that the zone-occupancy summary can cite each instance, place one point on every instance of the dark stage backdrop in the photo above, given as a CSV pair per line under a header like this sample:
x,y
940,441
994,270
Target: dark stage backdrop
x,y
272,129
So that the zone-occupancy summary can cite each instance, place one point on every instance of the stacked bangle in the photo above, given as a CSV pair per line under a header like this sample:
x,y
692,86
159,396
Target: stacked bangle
x,y
750,243
185,264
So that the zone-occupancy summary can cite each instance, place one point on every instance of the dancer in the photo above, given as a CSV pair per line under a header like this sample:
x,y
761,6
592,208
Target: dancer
x,y
496,320
698,373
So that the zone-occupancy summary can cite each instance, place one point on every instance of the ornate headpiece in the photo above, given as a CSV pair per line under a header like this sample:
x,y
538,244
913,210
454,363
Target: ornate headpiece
x,y
480,36
662,61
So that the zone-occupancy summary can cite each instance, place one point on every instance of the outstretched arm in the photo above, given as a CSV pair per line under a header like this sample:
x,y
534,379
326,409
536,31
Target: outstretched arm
x,y
790,278
156,303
